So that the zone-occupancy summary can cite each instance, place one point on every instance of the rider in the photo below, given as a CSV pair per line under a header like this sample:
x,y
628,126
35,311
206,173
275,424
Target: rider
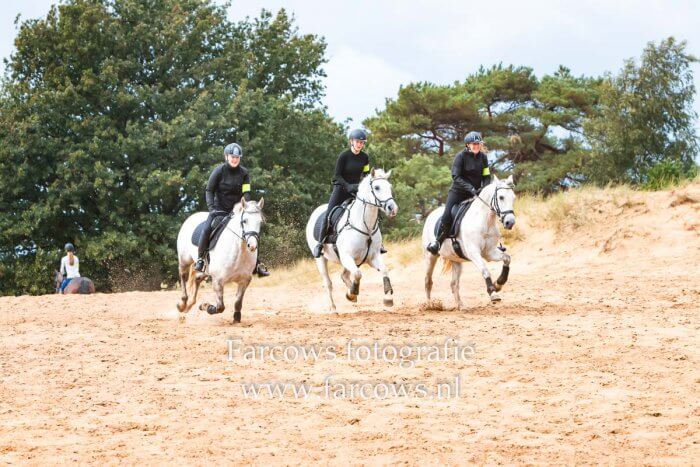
x,y
470,173
228,184
70,266
351,166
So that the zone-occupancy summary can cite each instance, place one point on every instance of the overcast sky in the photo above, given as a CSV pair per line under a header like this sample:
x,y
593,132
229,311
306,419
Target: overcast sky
x,y
375,46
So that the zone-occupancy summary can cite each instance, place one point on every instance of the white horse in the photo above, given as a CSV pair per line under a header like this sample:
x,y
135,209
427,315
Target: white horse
x,y
359,238
479,238
232,259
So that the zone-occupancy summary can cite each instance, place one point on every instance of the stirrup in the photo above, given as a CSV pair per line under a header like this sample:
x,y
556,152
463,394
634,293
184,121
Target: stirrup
x,y
199,265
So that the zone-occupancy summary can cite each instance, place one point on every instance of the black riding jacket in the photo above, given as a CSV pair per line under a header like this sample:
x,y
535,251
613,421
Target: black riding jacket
x,y
469,171
349,169
226,187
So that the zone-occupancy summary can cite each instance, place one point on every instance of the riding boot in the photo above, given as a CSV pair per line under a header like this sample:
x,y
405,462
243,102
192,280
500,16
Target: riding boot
x,y
318,249
434,247
202,251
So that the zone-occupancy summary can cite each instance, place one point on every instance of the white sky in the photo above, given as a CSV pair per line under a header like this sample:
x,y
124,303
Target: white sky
x,y
375,46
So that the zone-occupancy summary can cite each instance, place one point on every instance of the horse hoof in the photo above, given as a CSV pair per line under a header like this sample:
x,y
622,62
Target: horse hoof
x,y
495,298
181,307
388,302
237,317
497,286
351,297
212,310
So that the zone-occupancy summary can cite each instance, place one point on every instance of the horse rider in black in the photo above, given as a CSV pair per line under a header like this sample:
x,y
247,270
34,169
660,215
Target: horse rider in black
x,y
470,170
228,184
352,165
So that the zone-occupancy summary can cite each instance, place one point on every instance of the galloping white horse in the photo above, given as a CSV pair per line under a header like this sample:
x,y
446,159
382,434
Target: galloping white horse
x,y
479,238
232,259
359,238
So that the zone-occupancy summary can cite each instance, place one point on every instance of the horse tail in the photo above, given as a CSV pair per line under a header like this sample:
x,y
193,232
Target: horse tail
x,y
446,266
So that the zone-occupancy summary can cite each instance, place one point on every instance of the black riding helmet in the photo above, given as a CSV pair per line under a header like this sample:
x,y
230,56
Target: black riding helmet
x,y
69,247
473,137
358,133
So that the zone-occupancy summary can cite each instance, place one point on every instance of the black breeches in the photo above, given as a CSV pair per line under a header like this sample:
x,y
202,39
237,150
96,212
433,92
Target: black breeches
x,y
206,233
452,199
337,197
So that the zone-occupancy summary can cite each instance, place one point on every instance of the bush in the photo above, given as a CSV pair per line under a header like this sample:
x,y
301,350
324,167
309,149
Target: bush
x,y
668,172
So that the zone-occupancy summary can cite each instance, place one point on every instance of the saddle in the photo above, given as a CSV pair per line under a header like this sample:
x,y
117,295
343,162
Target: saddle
x,y
331,233
217,227
458,212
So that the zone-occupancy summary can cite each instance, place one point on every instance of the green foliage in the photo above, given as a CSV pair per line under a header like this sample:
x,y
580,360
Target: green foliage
x,y
114,112
517,113
425,116
419,185
558,131
667,173
646,117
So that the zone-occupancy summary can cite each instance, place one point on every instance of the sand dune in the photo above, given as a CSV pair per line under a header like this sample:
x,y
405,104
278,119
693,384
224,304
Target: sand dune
x,y
591,357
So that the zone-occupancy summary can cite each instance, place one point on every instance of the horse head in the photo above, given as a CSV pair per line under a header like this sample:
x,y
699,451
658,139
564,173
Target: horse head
x,y
251,222
376,190
500,195
504,200
57,280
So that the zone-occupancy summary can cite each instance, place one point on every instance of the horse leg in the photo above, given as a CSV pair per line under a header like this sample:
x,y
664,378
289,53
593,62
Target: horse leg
x,y
242,286
355,275
193,286
454,283
430,262
474,256
184,278
377,262
322,264
345,277
218,286
498,255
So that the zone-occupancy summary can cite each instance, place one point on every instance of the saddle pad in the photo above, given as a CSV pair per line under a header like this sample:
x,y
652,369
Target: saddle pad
x,y
218,225
335,215
458,212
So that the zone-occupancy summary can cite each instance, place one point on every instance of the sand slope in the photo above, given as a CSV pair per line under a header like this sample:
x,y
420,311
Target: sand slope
x,y
591,357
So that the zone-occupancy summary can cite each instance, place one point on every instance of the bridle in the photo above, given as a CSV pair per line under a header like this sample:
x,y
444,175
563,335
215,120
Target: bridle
x,y
494,206
380,203
246,234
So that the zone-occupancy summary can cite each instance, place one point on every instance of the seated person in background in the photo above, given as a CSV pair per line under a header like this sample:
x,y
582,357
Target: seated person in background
x,y
70,266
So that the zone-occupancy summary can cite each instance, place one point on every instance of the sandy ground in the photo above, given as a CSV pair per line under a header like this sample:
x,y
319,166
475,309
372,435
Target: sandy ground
x,y
591,357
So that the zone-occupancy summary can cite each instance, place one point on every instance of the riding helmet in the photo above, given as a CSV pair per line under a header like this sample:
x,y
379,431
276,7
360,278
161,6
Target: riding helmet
x,y
69,247
473,137
358,133
233,149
